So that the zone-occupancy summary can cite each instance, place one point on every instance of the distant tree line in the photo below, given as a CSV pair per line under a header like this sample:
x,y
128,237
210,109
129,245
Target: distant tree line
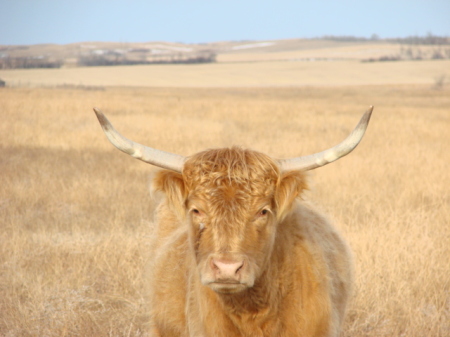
x,y
429,39
29,62
415,53
348,38
110,59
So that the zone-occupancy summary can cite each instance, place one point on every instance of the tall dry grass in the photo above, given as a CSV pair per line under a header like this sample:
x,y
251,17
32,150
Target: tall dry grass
x,y
75,213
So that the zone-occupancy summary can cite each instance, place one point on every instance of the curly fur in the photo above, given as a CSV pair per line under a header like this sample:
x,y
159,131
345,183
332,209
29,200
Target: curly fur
x,y
235,204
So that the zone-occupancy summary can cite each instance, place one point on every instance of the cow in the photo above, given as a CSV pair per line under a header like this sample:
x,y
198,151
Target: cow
x,y
236,251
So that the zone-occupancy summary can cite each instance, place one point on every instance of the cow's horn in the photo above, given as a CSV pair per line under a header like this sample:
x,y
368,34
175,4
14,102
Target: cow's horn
x,y
316,160
147,154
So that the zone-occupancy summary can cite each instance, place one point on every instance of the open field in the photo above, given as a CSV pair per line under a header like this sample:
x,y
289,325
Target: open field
x,y
75,54
323,50
256,74
75,213
316,47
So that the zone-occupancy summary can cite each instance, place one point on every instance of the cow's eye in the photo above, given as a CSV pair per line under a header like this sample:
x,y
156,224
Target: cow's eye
x,y
264,212
196,211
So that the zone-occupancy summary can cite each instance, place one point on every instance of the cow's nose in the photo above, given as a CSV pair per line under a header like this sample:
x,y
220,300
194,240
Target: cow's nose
x,y
225,269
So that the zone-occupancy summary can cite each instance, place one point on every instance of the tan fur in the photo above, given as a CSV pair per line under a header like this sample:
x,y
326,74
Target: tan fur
x,y
233,205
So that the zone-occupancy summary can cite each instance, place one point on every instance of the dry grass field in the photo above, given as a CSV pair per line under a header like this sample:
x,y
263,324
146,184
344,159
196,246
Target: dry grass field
x,y
75,213
254,74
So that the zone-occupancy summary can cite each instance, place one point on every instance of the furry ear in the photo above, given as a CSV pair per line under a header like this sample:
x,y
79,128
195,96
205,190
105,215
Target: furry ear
x,y
172,185
290,186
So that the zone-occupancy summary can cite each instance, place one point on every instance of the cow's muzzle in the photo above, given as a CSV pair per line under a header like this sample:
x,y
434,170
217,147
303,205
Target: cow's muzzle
x,y
227,275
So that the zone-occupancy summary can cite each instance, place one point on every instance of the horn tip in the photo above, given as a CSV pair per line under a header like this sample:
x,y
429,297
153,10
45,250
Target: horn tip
x,y
102,119
366,116
97,111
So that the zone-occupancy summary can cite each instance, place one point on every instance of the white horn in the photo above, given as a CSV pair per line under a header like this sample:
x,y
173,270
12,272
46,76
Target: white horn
x,y
147,154
316,160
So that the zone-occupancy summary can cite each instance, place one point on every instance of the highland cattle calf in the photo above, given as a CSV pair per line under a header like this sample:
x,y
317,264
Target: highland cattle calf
x,y
236,252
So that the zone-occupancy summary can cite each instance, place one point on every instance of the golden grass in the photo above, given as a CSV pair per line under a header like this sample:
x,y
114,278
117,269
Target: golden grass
x,y
255,74
75,213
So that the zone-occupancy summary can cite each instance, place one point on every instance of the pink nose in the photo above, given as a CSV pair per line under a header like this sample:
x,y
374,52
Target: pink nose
x,y
225,269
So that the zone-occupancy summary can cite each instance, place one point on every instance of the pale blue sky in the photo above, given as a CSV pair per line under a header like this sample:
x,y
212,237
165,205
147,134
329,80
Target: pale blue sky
x,y
193,21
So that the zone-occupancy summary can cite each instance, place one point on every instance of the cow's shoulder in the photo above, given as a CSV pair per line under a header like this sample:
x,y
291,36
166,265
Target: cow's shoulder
x,y
320,267
167,267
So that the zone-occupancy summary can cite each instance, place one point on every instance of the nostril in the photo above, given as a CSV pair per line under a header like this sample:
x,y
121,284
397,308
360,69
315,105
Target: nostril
x,y
227,268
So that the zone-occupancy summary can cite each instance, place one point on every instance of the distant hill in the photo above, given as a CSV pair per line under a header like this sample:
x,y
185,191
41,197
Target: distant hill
x,y
121,53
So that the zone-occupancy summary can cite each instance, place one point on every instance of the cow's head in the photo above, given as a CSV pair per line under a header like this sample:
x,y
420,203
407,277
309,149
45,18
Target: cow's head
x,y
232,200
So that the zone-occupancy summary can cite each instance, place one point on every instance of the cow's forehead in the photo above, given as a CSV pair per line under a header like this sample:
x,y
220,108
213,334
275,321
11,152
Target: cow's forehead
x,y
230,179
230,168
230,191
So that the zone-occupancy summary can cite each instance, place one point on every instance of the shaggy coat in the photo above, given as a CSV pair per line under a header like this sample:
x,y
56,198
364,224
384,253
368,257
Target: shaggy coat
x,y
236,252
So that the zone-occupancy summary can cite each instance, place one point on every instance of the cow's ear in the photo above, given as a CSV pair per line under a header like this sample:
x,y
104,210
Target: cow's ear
x,y
290,186
172,185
